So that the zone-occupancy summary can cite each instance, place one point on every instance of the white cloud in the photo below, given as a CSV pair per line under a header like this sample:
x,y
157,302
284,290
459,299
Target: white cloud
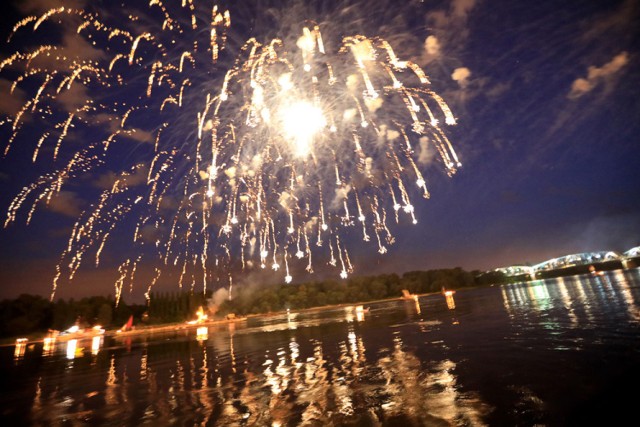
x,y
432,46
113,123
66,203
341,194
73,98
426,152
135,178
597,75
287,200
461,8
39,6
10,104
461,75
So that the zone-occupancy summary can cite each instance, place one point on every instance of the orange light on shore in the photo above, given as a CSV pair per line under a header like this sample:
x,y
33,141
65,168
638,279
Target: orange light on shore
x,y
21,346
201,317
72,348
48,345
96,343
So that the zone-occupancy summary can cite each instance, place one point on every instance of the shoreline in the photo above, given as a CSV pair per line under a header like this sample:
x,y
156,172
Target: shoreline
x,y
168,327
172,327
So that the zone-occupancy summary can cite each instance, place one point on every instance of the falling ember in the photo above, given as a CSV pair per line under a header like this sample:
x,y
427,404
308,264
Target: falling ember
x,y
242,158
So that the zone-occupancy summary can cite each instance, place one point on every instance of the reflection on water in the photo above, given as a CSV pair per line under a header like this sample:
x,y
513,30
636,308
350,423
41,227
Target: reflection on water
x,y
451,303
492,357
202,333
588,293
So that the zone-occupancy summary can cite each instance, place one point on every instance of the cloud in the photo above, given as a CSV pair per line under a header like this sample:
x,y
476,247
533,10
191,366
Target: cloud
x,y
392,134
597,75
452,23
10,104
614,24
73,98
432,46
113,125
218,297
497,90
451,31
461,75
373,104
150,233
461,8
286,200
137,177
426,152
68,43
39,6
66,203
341,193
72,46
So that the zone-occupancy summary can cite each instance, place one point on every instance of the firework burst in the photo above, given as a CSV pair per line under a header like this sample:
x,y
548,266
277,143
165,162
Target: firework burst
x,y
261,163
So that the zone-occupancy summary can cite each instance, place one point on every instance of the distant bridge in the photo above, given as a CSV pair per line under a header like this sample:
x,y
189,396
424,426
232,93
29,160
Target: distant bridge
x,y
633,252
576,259
585,258
517,270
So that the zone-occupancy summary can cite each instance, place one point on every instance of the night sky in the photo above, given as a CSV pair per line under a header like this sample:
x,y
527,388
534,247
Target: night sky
x,y
547,99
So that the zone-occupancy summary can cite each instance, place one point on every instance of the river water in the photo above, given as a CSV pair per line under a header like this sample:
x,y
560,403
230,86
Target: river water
x,y
551,352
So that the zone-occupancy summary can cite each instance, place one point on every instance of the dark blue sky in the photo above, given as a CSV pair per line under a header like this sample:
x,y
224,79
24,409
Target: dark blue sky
x,y
547,101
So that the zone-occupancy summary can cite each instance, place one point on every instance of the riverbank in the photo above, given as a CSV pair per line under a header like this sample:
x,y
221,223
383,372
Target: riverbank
x,y
185,326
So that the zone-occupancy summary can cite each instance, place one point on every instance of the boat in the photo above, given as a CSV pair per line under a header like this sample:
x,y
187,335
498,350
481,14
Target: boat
x,y
128,326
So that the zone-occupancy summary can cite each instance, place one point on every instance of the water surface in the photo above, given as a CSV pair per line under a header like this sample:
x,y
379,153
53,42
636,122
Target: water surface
x,y
551,352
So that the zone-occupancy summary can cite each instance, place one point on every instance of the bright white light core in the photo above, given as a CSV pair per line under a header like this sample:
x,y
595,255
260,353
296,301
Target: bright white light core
x,y
301,121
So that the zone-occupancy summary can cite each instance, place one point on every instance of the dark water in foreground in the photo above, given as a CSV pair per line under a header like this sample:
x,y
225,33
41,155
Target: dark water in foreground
x,y
553,352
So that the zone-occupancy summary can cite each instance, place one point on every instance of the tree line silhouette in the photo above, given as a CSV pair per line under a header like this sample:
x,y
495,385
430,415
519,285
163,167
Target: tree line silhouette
x,y
29,314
